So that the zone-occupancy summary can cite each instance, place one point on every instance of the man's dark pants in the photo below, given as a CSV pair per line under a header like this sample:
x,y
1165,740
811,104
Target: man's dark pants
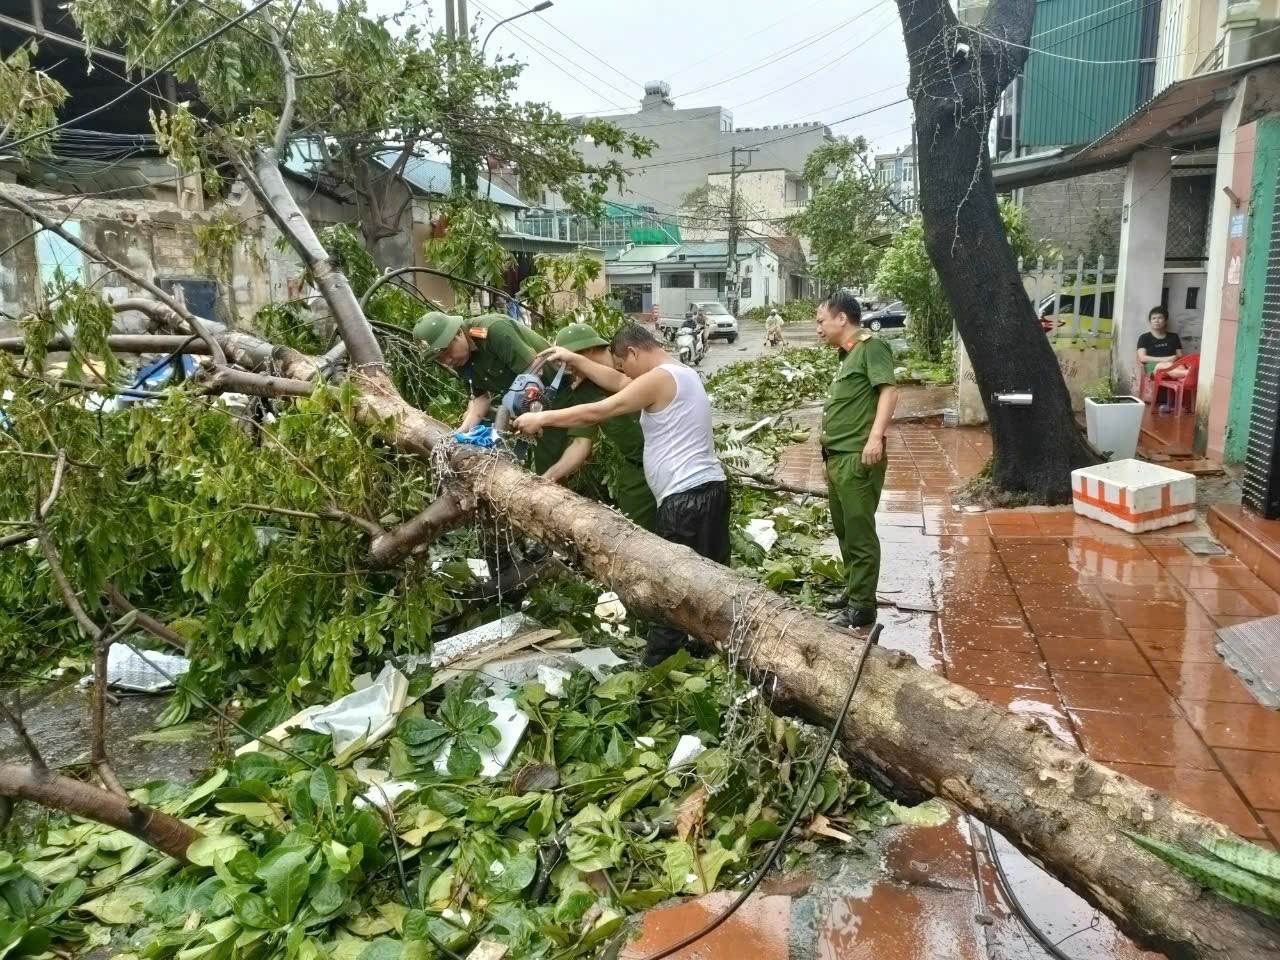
x,y
699,519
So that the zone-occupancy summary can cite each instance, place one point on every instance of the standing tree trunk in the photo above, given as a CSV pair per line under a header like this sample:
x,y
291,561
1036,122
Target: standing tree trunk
x,y
957,76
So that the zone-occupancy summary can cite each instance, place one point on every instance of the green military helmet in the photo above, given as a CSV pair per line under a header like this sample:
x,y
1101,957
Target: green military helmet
x,y
578,337
436,330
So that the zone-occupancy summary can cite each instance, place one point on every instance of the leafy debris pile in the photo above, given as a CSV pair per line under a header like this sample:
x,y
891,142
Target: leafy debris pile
x,y
626,789
772,384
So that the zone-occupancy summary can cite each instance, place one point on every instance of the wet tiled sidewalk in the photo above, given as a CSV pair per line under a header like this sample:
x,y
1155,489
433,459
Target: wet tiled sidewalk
x,y
1108,637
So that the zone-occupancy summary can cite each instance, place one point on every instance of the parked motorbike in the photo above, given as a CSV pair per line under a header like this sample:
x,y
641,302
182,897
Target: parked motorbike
x,y
689,346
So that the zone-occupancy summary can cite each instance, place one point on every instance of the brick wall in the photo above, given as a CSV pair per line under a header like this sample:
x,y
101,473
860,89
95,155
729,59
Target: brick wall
x,y
1081,216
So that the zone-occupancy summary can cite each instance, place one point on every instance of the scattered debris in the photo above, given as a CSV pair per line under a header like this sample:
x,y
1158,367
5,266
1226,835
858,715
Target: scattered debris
x,y
127,670
762,532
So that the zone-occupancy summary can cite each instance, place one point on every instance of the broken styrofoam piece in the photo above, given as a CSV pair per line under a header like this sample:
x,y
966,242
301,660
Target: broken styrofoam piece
x,y
364,717
552,679
610,609
762,532
737,436
688,749
511,722
521,668
133,671
445,652
382,793
596,659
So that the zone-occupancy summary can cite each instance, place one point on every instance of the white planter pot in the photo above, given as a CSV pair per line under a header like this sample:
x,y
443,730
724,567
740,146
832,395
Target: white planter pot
x,y
1113,428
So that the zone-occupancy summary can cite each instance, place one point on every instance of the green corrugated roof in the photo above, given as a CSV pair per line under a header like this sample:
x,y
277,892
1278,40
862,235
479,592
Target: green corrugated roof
x,y
1064,101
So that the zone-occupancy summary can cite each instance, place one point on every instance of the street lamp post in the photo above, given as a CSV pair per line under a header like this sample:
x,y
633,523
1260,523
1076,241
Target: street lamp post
x,y
544,5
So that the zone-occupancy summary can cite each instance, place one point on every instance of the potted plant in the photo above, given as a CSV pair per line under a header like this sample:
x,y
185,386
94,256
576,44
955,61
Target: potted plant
x,y
1112,421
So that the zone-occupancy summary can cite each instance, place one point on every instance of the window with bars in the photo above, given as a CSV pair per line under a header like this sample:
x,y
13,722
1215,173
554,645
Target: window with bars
x,y
1190,203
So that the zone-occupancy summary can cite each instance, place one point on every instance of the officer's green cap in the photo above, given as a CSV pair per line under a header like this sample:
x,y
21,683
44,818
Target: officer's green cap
x,y
578,337
436,330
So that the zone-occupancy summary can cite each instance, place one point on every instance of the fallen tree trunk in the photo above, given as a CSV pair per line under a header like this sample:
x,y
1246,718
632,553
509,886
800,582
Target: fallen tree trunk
x,y
914,728
167,834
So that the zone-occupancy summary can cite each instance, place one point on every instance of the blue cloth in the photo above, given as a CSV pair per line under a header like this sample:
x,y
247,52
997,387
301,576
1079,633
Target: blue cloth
x,y
481,435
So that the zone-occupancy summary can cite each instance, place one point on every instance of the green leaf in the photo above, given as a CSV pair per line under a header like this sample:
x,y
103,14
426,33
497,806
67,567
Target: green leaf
x,y
301,806
121,906
201,794
382,948
1247,856
218,846
464,760
324,791
251,910
1228,881
287,877
257,766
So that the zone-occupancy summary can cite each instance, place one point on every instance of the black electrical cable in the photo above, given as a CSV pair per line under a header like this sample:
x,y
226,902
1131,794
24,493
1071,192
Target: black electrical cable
x,y
1050,947
801,803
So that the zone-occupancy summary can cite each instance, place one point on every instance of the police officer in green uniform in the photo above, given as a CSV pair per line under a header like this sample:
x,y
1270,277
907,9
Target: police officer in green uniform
x,y
558,460
857,414
489,352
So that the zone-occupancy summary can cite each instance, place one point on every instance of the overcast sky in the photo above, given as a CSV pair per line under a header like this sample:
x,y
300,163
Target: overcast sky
x,y
768,62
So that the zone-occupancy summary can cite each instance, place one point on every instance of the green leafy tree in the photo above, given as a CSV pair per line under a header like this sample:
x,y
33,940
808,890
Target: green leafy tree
x,y
848,212
906,273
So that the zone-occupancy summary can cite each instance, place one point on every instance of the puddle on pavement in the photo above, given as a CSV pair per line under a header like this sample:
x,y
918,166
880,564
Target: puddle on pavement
x,y
60,725
928,893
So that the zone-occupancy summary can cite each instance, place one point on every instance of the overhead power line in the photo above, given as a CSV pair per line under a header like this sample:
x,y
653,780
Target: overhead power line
x,y
145,80
551,23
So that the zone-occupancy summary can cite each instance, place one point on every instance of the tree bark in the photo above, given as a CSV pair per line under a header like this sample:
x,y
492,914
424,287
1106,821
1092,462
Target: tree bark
x,y
392,546
909,726
1034,448
167,834
268,184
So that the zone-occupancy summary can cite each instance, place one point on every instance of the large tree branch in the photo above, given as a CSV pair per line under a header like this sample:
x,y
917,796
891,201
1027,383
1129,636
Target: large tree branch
x,y
285,123
227,380
265,180
119,342
193,323
156,628
440,515
167,834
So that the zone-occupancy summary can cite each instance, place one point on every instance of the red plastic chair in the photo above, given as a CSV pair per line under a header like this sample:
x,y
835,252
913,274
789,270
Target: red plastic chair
x,y
1146,386
1179,387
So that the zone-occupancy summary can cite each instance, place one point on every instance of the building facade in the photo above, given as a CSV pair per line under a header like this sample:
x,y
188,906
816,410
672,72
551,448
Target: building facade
x,y
692,144
897,171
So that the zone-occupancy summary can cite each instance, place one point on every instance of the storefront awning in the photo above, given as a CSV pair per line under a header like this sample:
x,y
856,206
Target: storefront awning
x,y
1186,115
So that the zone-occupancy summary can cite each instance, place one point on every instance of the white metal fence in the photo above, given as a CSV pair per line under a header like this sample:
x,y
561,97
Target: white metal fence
x,y
1071,300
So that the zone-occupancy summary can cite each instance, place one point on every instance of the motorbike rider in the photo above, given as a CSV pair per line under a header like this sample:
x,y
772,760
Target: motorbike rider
x,y
773,335
704,327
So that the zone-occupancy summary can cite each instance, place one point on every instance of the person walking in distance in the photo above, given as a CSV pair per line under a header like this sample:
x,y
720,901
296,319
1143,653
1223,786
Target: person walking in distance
x,y
855,418
680,462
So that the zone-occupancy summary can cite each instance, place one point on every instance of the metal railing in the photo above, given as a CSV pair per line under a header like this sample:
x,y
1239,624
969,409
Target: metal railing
x,y
1071,301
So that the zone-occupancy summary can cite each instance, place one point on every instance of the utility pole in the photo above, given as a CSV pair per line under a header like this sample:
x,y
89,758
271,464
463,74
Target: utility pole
x,y
734,169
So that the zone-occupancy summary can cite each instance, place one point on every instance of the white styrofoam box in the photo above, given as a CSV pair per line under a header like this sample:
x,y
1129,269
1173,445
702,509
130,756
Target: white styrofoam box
x,y
1114,428
1133,495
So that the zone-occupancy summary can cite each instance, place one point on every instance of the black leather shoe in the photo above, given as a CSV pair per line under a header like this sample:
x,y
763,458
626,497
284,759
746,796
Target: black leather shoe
x,y
835,601
854,618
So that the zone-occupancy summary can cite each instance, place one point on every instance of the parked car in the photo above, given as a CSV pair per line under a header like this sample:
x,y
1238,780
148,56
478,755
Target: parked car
x,y
892,317
720,322
1073,309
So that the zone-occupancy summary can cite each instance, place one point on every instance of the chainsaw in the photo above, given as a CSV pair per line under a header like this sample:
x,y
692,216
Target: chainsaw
x,y
527,394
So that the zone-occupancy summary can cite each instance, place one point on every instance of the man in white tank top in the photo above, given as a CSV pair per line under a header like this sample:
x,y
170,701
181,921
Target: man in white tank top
x,y
680,462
